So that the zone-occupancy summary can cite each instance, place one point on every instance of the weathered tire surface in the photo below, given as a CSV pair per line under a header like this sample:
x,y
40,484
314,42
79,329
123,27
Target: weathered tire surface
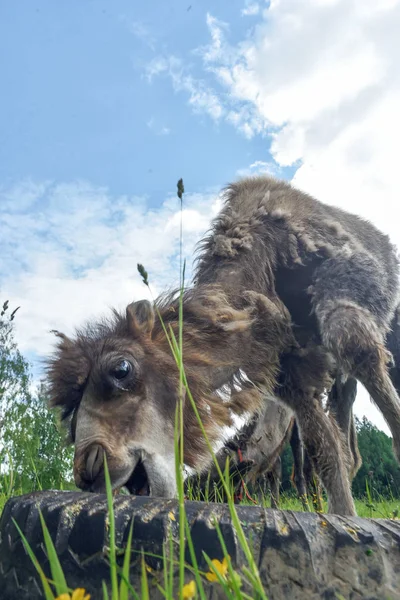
x,y
300,555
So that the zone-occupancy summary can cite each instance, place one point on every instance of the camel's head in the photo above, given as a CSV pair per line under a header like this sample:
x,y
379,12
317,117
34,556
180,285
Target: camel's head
x,y
118,386
118,394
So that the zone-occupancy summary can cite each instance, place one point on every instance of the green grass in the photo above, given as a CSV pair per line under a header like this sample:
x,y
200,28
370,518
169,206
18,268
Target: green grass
x,y
380,509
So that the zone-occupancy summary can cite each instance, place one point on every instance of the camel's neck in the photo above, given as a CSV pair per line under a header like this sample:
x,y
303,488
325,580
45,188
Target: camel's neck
x,y
217,334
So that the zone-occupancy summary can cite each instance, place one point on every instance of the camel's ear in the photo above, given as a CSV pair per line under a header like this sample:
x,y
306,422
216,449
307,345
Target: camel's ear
x,y
140,316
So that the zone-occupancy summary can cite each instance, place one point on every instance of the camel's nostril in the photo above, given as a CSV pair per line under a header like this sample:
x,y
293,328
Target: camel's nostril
x,y
94,461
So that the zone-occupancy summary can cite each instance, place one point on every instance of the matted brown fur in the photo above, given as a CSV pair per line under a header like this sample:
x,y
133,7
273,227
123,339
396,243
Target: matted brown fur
x,y
287,291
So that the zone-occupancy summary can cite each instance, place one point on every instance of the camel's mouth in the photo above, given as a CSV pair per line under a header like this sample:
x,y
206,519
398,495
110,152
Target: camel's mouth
x,y
138,483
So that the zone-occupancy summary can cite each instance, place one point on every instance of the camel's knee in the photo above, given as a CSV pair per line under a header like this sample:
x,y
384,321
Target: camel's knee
x,y
306,370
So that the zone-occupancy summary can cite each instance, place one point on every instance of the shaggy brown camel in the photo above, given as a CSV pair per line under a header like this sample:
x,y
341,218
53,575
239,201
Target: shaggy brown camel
x,y
287,291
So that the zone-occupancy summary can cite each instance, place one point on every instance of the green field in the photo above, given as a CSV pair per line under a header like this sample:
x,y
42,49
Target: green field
x,y
379,509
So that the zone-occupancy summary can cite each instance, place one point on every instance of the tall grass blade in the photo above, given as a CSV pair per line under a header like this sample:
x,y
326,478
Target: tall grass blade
x,y
181,499
46,587
55,567
145,583
123,586
105,591
111,519
171,567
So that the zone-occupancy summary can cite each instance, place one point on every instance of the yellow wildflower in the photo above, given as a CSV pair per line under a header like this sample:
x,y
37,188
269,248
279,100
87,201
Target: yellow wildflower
x,y
189,590
78,594
220,567
171,516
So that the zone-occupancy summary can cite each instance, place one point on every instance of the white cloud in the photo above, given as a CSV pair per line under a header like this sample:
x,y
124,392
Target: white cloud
x,y
261,167
155,67
321,79
200,97
217,48
142,32
75,254
251,9
21,196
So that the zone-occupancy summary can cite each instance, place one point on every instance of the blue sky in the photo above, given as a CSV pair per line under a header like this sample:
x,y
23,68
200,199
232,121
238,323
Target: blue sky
x,y
79,103
105,105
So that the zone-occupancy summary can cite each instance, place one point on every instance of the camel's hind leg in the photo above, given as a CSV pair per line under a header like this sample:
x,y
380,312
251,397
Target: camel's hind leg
x,y
352,309
303,376
303,379
340,401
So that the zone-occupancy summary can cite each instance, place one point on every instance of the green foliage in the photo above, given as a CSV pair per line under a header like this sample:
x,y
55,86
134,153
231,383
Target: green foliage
x,y
32,453
379,467
14,370
32,437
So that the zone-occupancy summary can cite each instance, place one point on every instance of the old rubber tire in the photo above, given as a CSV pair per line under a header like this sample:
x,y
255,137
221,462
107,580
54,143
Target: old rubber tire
x,y
300,555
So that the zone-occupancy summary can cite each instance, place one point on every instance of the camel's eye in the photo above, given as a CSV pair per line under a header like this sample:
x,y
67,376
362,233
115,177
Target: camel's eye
x,y
121,370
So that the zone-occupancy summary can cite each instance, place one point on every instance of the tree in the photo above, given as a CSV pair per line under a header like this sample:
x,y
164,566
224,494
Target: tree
x,y
32,435
31,446
379,467
14,370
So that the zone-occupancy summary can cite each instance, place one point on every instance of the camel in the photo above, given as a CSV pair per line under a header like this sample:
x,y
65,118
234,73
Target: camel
x,y
287,292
